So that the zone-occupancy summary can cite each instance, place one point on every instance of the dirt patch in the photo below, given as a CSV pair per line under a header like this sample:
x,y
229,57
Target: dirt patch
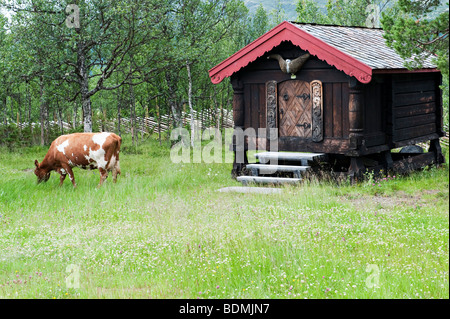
x,y
400,199
432,191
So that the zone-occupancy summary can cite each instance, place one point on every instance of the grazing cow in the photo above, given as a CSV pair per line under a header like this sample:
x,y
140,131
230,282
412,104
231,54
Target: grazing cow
x,y
84,150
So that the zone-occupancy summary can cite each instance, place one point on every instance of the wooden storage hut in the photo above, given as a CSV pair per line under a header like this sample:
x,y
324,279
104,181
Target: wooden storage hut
x,y
350,97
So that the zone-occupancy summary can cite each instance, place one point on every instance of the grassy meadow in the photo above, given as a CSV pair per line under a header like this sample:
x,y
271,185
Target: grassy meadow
x,y
164,231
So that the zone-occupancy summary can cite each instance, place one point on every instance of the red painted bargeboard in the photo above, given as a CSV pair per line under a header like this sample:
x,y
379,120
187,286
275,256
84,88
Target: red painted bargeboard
x,y
286,31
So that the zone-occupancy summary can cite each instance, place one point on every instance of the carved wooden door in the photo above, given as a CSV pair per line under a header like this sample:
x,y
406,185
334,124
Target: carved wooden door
x,y
295,109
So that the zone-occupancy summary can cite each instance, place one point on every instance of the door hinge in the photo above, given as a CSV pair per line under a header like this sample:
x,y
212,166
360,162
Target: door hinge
x,y
304,96
305,125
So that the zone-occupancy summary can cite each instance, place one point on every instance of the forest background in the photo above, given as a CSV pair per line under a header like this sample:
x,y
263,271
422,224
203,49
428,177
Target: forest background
x,y
126,61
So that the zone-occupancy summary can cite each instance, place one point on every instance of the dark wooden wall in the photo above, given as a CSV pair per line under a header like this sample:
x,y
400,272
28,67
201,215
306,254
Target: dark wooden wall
x,y
335,109
416,108
375,110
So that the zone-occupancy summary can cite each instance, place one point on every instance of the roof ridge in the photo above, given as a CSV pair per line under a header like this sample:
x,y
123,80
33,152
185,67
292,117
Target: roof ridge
x,y
333,25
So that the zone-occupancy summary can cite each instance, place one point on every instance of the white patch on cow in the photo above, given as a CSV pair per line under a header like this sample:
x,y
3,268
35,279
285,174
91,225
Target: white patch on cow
x,y
62,146
71,163
63,171
98,157
112,162
85,147
100,138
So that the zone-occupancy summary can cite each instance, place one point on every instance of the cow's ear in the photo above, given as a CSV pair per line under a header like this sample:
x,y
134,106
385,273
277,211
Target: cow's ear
x,y
36,163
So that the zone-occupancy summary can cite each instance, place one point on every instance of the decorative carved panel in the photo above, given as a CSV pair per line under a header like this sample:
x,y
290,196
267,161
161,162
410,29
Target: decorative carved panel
x,y
271,106
317,110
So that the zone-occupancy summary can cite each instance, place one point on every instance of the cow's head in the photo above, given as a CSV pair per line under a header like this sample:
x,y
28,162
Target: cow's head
x,y
42,174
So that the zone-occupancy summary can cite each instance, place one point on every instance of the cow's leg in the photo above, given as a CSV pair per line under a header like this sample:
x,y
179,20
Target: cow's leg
x,y
115,171
103,175
62,178
69,171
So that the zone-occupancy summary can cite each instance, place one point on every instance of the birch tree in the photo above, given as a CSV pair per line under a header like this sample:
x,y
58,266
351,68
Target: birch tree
x,y
95,36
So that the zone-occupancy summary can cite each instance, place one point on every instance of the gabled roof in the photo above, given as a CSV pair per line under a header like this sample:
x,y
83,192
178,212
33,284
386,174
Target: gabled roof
x,y
356,51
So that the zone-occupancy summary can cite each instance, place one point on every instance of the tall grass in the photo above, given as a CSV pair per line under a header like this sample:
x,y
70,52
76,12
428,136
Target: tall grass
x,y
163,231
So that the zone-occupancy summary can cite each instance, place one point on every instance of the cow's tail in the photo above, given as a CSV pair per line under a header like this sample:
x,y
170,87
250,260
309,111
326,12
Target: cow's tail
x,y
119,143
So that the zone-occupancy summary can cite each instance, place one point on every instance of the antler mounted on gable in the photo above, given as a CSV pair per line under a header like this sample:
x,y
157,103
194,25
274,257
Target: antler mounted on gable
x,y
290,66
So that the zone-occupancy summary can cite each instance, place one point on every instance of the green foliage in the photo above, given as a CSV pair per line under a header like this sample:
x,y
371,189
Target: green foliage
x,y
10,137
348,12
260,22
417,30
278,14
445,100
341,12
124,44
309,12
414,35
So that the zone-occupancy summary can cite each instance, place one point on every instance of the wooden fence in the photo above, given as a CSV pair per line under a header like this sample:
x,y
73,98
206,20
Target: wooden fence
x,y
203,120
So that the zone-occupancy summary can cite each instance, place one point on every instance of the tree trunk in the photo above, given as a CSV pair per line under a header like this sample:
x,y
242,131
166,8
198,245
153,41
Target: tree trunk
x,y
119,100
5,114
29,108
145,123
158,114
191,109
18,123
84,88
87,113
60,119
43,113
174,106
75,119
216,108
104,128
133,116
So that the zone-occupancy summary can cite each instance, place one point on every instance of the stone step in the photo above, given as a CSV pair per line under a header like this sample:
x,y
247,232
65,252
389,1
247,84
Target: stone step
x,y
257,169
267,180
251,190
289,156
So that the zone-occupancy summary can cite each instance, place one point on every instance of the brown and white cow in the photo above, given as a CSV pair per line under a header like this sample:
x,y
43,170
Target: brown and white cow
x,y
84,150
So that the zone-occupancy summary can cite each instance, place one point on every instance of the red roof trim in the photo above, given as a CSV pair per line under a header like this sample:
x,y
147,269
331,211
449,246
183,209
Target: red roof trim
x,y
397,71
286,31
